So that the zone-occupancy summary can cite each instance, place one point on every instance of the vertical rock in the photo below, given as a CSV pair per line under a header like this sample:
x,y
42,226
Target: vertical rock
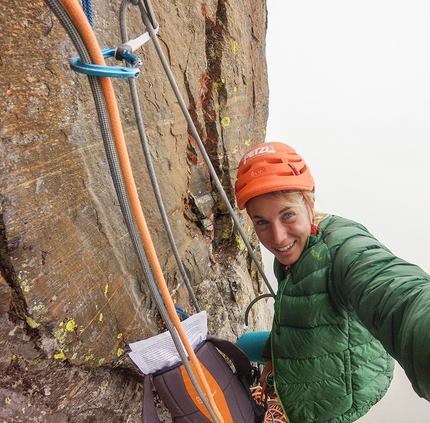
x,y
72,293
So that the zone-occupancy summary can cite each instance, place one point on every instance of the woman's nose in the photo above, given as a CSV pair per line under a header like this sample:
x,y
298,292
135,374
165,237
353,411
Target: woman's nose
x,y
278,233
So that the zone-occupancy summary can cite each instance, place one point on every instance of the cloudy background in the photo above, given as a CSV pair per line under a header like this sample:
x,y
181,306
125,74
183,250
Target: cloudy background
x,y
350,90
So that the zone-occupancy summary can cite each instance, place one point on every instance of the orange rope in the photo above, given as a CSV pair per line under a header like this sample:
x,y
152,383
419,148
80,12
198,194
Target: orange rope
x,y
80,20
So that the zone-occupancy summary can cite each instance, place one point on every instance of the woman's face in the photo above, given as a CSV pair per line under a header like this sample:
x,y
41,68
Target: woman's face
x,y
282,224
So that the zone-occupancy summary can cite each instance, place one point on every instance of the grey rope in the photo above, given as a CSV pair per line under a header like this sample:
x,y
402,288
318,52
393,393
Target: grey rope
x,y
149,163
195,134
119,185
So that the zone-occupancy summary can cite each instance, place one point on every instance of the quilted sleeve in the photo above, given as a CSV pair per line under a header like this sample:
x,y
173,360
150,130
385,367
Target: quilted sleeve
x,y
391,297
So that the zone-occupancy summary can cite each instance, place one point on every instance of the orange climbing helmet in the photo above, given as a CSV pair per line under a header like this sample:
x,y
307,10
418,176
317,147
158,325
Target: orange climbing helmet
x,y
270,167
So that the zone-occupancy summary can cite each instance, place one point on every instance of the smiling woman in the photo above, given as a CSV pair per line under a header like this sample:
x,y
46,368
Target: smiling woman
x,y
349,88
345,305
282,219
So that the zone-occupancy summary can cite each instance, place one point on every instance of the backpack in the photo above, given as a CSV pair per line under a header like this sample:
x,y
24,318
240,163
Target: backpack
x,y
231,390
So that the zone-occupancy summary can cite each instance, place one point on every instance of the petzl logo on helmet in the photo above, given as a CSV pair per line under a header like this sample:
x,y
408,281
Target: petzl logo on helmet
x,y
258,152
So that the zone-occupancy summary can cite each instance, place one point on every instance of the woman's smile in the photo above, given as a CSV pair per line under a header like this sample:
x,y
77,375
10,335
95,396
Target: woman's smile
x,y
286,248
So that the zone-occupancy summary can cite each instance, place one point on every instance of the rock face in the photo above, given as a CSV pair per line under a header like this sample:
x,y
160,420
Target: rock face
x,y
72,293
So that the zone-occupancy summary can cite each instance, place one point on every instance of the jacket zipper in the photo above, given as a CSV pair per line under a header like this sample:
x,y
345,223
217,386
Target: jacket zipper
x,y
279,301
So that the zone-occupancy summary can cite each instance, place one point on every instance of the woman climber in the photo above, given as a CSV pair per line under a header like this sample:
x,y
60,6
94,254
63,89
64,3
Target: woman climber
x,y
345,305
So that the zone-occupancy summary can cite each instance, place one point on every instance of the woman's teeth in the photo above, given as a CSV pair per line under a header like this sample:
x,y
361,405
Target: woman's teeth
x,y
286,248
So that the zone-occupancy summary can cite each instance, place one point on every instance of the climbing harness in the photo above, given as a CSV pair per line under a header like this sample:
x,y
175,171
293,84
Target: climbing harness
x,y
91,61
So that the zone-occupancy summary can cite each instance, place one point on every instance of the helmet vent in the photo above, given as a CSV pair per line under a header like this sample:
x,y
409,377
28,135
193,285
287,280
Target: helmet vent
x,y
246,169
273,161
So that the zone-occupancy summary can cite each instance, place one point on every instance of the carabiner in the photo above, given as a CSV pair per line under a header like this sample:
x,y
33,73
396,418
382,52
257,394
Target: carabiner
x,y
109,71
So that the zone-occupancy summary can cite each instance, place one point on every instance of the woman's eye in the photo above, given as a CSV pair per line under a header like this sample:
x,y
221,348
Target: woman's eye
x,y
261,222
288,215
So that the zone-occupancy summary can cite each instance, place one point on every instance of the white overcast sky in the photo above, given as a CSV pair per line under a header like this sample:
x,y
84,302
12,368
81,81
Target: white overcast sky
x,y
350,91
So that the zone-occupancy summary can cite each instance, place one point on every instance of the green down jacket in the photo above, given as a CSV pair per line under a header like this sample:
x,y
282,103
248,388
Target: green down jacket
x,y
339,309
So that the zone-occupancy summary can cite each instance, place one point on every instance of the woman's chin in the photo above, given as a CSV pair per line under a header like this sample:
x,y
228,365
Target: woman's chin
x,y
286,257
